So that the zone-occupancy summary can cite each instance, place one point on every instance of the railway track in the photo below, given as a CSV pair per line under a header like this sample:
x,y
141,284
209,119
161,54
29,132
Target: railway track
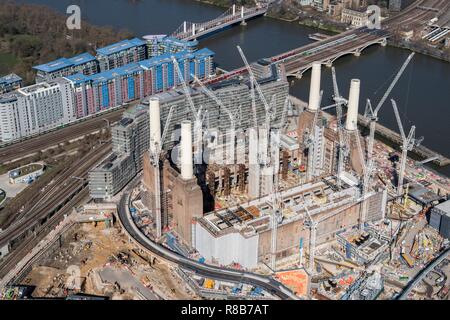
x,y
333,51
33,145
26,246
65,189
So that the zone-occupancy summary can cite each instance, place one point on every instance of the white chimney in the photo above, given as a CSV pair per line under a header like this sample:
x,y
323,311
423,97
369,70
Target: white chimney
x,y
314,91
353,103
187,170
155,124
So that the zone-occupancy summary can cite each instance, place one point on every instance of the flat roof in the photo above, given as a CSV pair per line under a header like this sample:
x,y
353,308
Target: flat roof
x,y
10,78
422,194
203,53
180,42
82,58
444,206
136,66
120,46
36,87
8,97
111,74
62,63
167,57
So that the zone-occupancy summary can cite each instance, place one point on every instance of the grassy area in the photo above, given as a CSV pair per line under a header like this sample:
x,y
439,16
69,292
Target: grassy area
x,y
7,62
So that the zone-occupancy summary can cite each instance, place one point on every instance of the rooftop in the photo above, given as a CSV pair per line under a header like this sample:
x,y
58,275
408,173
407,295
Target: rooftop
x,y
179,42
8,97
10,78
254,216
62,63
36,87
444,206
422,195
136,66
120,46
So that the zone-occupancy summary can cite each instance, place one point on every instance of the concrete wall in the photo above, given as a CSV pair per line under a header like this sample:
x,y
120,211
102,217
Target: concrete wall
x,y
232,247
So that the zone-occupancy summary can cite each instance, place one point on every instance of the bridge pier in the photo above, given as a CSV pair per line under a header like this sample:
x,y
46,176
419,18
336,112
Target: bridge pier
x,y
243,23
357,53
384,42
329,63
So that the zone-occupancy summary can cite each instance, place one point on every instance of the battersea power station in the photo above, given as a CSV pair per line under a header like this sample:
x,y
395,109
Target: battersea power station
x,y
242,173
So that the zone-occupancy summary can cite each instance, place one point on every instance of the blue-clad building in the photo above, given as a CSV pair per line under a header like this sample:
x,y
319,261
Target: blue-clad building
x,y
160,44
121,53
84,63
10,82
138,80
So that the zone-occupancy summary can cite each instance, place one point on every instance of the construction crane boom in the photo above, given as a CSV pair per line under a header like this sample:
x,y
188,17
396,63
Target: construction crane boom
x,y
253,79
211,95
283,114
408,143
374,113
185,88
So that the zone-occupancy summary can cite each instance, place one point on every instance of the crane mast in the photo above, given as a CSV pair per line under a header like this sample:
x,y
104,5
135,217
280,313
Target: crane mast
x,y
408,144
342,148
198,122
211,95
312,240
155,157
367,167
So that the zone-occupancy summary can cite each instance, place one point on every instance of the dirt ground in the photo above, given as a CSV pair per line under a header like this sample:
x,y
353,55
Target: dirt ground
x,y
90,249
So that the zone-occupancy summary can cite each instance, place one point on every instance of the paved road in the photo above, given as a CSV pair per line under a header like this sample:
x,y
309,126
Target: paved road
x,y
226,274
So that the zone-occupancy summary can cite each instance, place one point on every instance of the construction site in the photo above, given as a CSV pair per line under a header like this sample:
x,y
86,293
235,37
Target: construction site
x,y
297,187
94,259
245,177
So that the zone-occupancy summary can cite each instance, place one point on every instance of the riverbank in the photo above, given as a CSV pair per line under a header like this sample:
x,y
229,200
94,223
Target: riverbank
x,y
285,12
417,48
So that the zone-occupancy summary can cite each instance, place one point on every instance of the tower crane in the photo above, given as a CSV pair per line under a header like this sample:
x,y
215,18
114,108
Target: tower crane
x,y
343,149
311,142
373,113
312,239
287,103
155,157
211,95
196,114
277,200
367,166
408,144
253,97
185,88
269,114
253,79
